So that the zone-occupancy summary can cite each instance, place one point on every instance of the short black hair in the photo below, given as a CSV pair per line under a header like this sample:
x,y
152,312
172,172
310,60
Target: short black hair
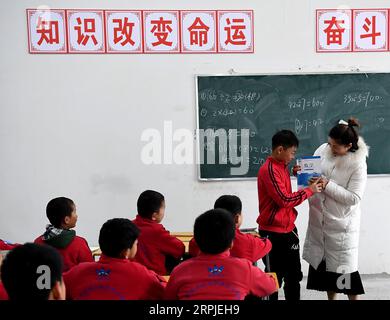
x,y
230,203
20,273
117,235
284,138
149,202
59,208
214,231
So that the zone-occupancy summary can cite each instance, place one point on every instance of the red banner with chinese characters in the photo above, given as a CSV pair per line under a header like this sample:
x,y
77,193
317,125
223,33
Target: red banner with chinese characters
x,y
352,30
140,31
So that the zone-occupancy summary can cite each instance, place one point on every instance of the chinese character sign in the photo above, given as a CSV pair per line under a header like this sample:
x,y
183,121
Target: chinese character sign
x,y
140,31
161,31
370,30
198,31
123,30
334,30
235,31
46,29
85,31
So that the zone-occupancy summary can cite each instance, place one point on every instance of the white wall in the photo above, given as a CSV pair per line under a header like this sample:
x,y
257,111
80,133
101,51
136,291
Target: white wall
x,y
71,124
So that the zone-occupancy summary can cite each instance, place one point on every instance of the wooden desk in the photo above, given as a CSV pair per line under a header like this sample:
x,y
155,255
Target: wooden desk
x,y
166,278
183,236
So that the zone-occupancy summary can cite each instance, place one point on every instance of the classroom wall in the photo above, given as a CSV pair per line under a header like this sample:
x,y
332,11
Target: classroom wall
x,y
71,125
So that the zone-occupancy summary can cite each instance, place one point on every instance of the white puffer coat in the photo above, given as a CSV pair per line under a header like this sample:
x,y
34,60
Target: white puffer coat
x,y
334,215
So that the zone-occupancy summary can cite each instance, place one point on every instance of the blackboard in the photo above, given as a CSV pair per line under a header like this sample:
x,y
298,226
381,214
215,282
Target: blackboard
x,y
308,104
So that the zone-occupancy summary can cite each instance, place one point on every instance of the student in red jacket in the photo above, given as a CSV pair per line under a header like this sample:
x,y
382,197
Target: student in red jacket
x,y
277,212
114,276
157,249
244,245
62,215
214,274
33,272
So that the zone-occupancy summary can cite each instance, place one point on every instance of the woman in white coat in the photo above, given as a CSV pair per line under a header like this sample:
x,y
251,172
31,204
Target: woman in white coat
x,y
332,239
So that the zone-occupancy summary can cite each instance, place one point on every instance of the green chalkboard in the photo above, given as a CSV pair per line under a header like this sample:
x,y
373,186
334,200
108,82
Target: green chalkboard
x,y
308,104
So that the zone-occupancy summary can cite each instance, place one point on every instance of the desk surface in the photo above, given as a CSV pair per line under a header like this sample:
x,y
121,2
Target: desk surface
x,y
184,236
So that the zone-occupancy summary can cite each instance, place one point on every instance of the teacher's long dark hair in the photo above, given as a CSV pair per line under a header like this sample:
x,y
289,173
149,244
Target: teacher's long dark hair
x,y
345,133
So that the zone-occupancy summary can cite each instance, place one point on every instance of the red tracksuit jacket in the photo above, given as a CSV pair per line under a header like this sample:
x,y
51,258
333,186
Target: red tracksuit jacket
x,y
154,243
217,277
113,279
244,246
276,199
76,252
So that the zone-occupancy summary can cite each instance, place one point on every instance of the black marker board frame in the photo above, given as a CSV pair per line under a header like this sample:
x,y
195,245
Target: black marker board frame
x,y
204,175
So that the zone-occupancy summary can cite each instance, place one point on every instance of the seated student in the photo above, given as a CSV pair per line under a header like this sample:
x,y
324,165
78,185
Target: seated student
x,y
155,245
33,272
214,274
244,245
114,276
62,215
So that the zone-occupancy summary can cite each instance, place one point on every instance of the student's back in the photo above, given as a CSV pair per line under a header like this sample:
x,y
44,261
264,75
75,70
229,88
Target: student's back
x,y
112,279
114,276
77,251
218,277
214,274
155,243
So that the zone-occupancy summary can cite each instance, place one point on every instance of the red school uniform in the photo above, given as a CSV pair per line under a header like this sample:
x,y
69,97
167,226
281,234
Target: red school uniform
x,y
3,293
112,279
77,251
245,246
218,277
276,199
154,244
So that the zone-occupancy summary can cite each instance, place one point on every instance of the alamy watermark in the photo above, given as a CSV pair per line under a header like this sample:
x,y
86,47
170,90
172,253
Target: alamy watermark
x,y
177,147
344,280
44,280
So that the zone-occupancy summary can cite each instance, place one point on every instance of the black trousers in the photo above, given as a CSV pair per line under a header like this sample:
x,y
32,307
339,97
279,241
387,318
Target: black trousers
x,y
284,260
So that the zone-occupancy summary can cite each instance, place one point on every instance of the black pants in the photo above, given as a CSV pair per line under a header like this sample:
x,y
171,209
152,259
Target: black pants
x,y
284,260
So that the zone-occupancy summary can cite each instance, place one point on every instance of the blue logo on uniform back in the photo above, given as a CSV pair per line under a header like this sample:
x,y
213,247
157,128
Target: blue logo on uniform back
x,y
215,270
103,273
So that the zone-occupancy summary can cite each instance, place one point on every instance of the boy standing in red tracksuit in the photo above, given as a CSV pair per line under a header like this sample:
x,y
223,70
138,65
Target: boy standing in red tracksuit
x,y
157,249
114,276
214,274
277,213
244,245
62,215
